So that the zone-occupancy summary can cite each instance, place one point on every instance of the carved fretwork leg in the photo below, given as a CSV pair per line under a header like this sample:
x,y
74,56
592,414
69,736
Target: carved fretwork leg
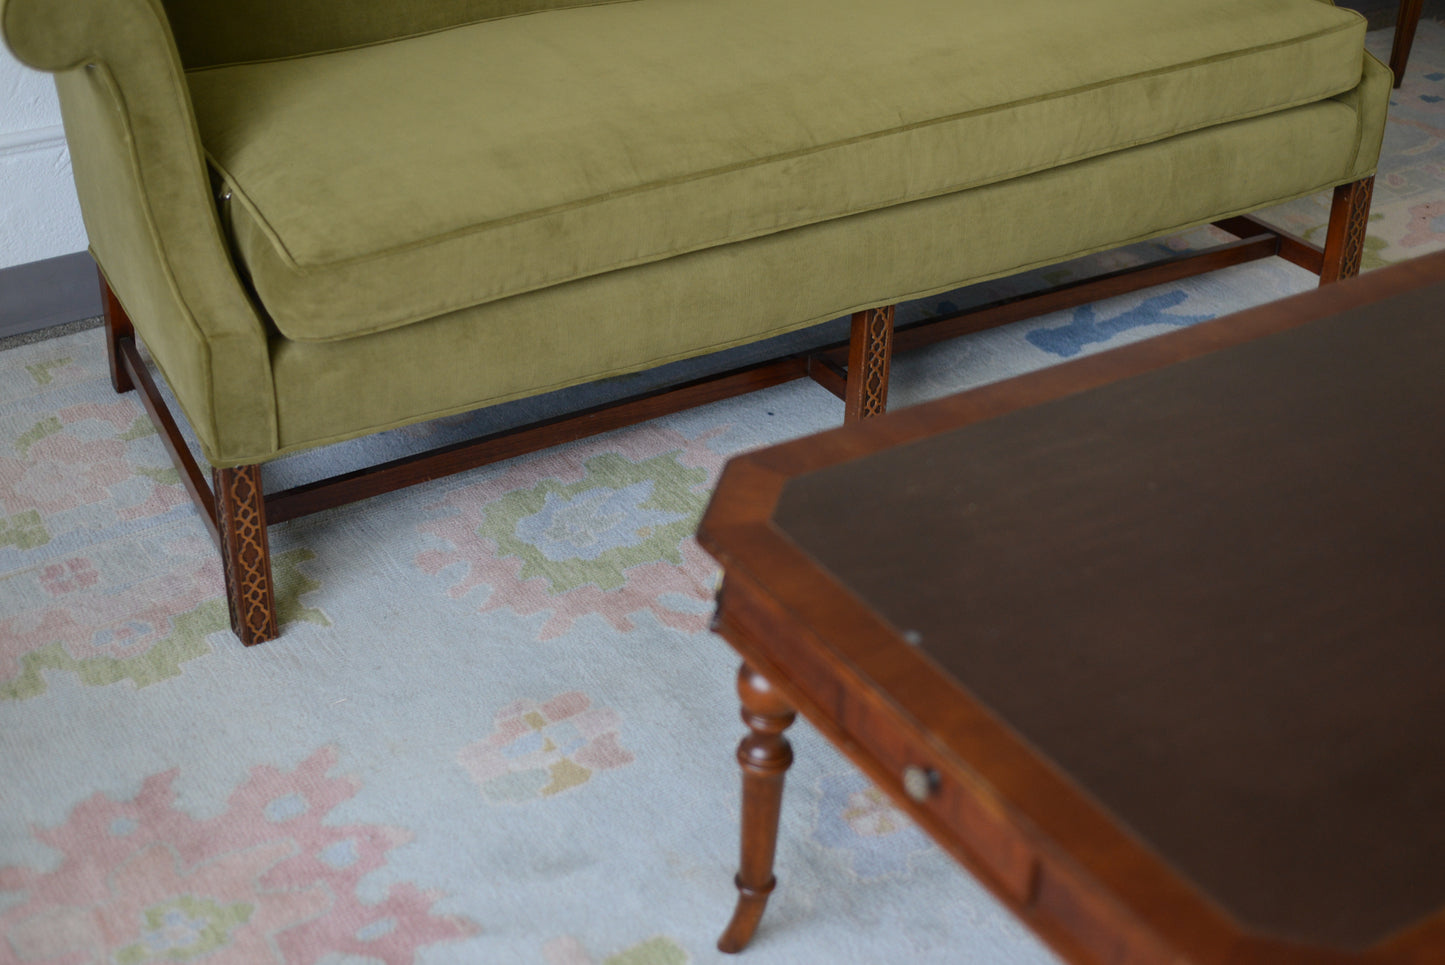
x,y
869,350
765,756
1345,238
117,327
245,553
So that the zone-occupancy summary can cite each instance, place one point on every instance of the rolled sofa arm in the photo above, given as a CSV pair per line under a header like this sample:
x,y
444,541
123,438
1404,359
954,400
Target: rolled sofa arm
x,y
145,196
56,36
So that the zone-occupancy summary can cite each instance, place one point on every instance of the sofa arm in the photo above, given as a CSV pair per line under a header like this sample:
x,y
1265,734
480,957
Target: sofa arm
x,y
1370,99
146,198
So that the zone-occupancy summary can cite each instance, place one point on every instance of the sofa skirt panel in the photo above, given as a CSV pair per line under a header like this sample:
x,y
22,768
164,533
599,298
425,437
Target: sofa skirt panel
x,y
636,318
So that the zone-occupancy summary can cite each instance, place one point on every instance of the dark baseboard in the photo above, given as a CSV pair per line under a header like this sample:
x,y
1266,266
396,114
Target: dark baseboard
x,y
1382,13
42,294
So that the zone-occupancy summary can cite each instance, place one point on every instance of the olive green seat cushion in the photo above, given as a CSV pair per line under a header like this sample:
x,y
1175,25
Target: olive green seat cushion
x,y
380,185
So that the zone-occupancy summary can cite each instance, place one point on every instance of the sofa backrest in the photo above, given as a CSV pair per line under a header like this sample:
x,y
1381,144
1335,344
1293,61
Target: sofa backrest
x,y
210,33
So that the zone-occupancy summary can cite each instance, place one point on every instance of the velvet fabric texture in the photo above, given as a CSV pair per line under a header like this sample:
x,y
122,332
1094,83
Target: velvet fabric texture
x,y
505,157
418,196
149,211
238,31
728,295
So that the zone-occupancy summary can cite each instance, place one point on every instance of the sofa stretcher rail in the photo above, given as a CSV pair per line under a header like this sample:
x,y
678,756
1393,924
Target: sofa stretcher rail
x,y
237,512
508,443
129,361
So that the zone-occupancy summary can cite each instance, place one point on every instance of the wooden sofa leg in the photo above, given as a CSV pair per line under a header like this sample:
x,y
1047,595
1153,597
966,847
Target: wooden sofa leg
x,y
117,327
870,348
1406,20
245,553
1345,237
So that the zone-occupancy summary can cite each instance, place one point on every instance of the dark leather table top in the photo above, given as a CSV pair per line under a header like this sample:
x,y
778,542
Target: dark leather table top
x,y
1213,595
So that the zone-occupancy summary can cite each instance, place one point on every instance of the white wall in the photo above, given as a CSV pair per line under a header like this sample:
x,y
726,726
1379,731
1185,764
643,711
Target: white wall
x,y
39,216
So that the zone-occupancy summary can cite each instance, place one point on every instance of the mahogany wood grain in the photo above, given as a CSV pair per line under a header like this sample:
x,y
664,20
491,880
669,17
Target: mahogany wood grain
x,y
868,728
447,460
832,376
1264,244
1044,844
1345,237
1405,23
765,756
118,326
1292,247
870,351
246,554
133,367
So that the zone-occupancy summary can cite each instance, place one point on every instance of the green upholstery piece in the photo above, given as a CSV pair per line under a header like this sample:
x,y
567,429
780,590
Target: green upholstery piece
x,y
210,34
376,187
795,161
148,206
630,320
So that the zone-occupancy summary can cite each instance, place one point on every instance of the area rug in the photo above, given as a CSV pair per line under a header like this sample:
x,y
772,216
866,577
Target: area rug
x,y
496,727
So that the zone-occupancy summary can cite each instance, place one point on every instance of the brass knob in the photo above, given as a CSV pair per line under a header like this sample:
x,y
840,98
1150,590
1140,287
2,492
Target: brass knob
x,y
919,783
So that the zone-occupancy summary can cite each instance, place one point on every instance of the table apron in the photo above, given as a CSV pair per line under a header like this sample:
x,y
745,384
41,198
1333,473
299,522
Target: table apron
x,y
962,815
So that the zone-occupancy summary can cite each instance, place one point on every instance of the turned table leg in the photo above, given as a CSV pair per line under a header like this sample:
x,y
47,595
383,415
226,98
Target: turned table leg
x,y
765,756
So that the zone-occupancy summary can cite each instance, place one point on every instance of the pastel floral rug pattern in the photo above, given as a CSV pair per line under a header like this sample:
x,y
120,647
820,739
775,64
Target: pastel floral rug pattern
x,y
141,881
496,727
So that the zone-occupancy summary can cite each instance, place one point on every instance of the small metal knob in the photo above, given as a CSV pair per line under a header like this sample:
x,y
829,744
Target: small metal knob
x,y
919,783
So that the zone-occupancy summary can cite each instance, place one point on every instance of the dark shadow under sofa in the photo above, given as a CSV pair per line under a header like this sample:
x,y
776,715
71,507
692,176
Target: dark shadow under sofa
x,y
328,219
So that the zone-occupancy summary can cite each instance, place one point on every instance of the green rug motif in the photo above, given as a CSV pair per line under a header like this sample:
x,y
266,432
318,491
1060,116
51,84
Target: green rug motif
x,y
619,515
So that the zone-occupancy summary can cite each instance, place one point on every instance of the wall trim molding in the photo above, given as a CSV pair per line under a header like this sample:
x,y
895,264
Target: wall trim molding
x,y
41,294
35,139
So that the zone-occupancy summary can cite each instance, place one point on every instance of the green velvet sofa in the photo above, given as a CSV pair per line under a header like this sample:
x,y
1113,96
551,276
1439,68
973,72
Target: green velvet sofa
x,y
323,219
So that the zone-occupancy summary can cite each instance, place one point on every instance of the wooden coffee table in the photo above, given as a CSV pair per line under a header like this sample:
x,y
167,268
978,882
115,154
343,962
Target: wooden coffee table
x,y
1153,642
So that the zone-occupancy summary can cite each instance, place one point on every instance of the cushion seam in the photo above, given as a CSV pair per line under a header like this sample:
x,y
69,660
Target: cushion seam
x,y
762,232
784,330
299,268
